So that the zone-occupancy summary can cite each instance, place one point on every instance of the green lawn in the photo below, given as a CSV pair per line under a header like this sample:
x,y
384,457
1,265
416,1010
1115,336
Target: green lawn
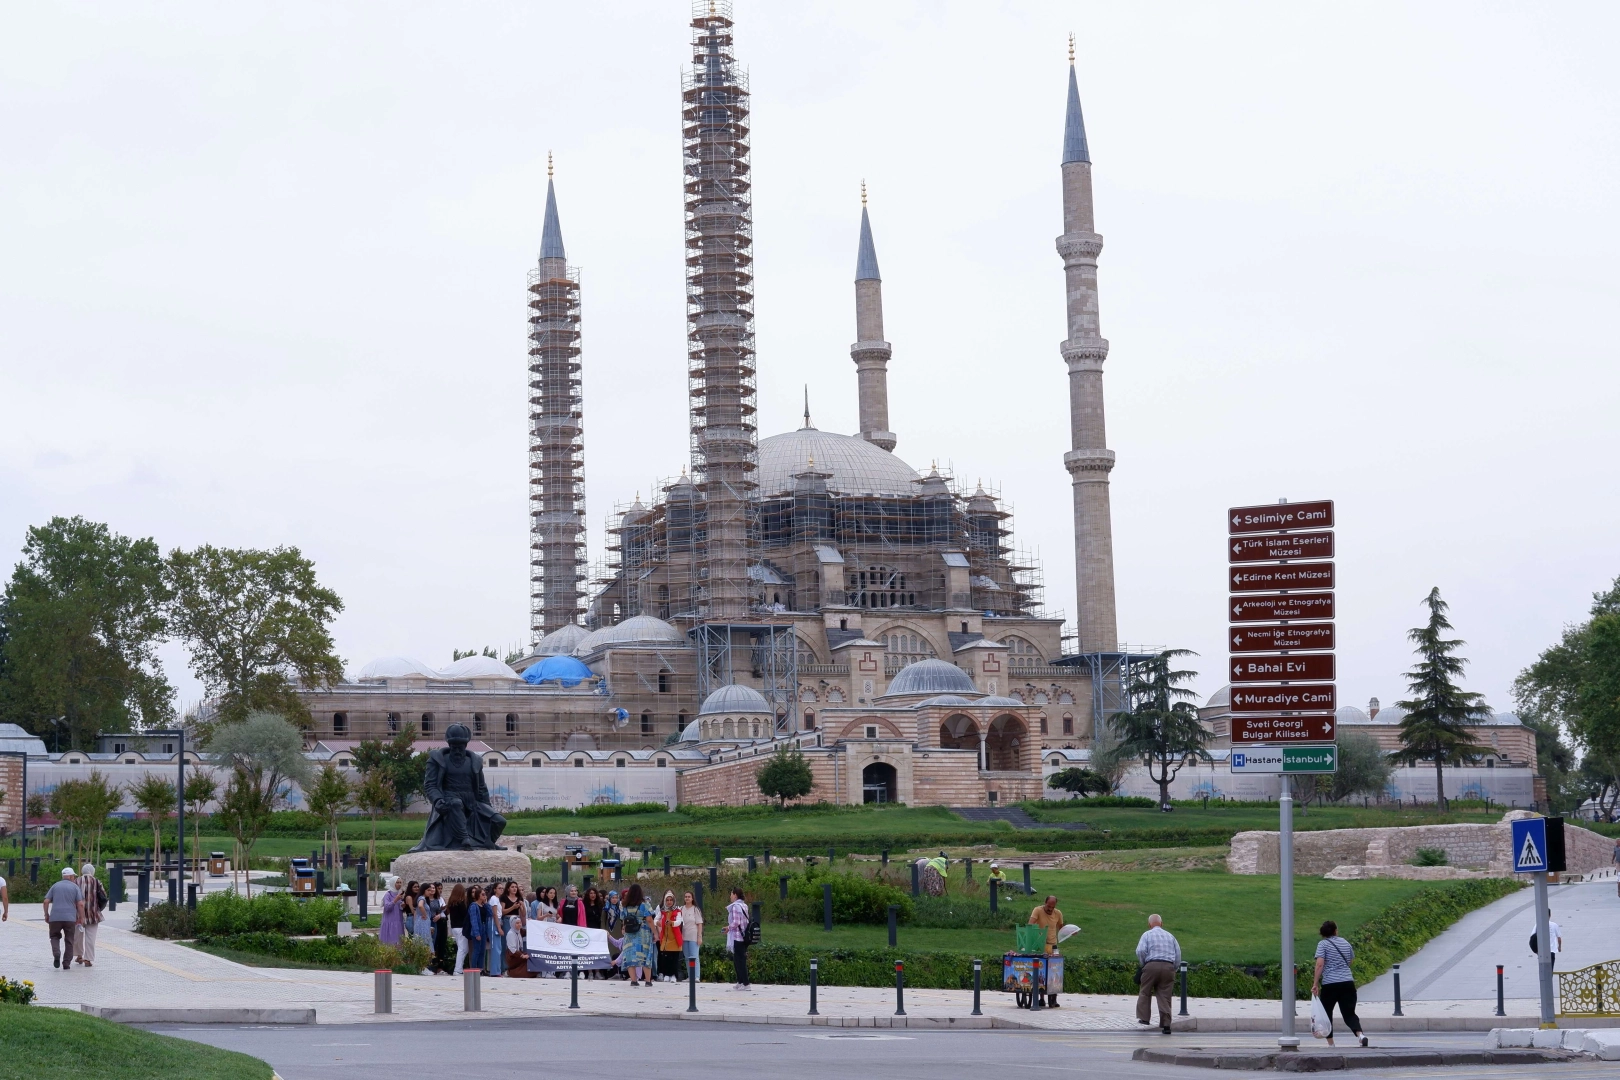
x,y
1252,817
39,1043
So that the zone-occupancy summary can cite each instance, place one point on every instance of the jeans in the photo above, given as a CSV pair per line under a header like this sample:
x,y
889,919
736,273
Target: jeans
x,y
690,951
1342,994
62,940
739,960
460,937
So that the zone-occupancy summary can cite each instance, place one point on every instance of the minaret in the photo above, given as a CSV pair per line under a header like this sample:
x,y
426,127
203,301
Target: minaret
x,y
718,179
870,351
556,447
1090,461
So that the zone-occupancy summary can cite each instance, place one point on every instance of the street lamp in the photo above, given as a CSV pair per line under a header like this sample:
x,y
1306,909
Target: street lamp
x,y
179,797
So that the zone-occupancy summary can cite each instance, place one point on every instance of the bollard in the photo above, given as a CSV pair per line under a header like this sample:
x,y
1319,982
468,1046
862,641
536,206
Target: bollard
x,y
143,889
691,984
714,880
33,872
573,984
320,883
885,856
174,891
383,991
969,864
666,865
472,990
119,890
916,881
644,855
782,883
767,858
753,866
995,900
717,856
1029,890
191,895
899,988
978,971
830,856
826,907
756,917
1397,970
1500,1011
813,965
894,924
1183,1011
362,893
565,872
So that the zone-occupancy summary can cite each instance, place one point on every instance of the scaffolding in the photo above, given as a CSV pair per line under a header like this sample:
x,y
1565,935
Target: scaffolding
x,y
766,654
557,567
719,306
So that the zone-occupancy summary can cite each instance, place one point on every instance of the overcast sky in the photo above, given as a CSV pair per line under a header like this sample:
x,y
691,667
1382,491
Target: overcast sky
x,y
263,283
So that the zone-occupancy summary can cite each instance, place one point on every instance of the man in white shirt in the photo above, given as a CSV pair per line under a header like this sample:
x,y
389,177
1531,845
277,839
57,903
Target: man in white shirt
x,y
1557,935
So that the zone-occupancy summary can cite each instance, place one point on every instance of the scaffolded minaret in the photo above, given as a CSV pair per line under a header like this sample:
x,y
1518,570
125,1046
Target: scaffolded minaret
x,y
556,448
870,352
720,305
1090,460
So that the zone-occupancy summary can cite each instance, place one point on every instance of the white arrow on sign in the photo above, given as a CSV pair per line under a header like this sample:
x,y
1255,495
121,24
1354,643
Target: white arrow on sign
x,y
1237,609
1237,639
1328,727
1237,519
1237,548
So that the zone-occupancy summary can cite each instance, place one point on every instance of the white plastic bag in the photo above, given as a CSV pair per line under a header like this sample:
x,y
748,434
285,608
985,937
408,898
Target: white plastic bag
x,y
1321,1026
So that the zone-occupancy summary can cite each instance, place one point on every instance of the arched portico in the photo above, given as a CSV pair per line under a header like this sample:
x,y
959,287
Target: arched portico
x,y
1005,743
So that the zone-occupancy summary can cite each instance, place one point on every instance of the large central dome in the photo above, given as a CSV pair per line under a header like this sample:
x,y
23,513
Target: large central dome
x,y
857,467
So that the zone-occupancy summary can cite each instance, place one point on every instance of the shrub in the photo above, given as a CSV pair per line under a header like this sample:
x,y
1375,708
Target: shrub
x,y
621,809
166,920
856,899
960,913
16,991
363,952
1402,928
1430,856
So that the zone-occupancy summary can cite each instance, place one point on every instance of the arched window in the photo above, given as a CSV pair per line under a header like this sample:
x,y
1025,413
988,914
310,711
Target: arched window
x,y
393,723
1043,725
340,724
1068,724
427,723
1022,653
646,724
878,587
809,720
511,723
478,723
907,646
663,682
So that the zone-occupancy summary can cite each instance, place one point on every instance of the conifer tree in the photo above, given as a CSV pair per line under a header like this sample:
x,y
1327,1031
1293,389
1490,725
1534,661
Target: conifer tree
x,y
1439,713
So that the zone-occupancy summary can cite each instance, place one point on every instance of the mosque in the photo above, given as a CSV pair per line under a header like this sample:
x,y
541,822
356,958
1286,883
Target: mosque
x,y
806,588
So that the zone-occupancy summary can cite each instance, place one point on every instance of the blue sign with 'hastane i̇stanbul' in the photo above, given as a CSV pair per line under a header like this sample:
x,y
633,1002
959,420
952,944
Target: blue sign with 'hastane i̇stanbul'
x,y
1530,846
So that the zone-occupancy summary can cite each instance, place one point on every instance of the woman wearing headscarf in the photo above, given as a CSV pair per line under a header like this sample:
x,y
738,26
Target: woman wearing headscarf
x,y
95,902
572,910
393,916
517,960
669,939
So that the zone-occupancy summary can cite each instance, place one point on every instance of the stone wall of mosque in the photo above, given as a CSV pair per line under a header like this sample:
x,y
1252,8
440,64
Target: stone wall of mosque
x,y
735,783
1475,847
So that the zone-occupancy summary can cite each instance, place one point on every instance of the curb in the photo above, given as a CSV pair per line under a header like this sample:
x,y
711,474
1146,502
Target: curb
x,y
1386,1024
120,1015
1334,1061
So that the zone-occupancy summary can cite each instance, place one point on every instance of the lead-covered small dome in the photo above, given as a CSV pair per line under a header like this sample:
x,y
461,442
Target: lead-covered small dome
x,y
942,700
636,630
931,677
734,700
478,667
397,667
999,702
561,641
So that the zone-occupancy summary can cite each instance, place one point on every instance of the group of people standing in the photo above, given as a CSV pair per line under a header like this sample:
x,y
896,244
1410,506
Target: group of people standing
x,y
484,929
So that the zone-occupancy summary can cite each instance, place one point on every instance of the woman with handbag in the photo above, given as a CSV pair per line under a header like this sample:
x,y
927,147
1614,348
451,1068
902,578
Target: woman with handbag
x,y
1334,983
739,933
639,954
95,902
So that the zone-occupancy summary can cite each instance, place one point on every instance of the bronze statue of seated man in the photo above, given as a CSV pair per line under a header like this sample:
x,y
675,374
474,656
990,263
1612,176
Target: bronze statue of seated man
x,y
462,817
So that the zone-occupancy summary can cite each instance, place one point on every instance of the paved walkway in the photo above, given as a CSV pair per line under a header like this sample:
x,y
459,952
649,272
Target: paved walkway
x,y
1460,964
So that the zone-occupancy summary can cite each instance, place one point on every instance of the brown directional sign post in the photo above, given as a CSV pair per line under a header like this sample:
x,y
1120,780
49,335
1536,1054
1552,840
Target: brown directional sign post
x,y
1297,728
1246,579
1270,547
1271,608
1278,516
1296,697
1294,667
1247,639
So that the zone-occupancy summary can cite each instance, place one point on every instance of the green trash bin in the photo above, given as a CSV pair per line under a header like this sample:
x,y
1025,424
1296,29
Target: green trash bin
x,y
1032,939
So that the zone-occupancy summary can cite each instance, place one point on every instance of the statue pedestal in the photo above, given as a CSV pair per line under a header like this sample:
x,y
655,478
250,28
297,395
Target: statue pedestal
x,y
451,868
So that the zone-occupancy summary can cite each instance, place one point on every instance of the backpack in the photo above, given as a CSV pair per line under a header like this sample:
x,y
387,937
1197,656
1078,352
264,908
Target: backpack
x,y
1533,950
632,925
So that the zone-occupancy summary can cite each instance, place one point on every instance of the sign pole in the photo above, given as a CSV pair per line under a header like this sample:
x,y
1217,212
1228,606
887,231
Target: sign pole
x,y
1544,951
1285,873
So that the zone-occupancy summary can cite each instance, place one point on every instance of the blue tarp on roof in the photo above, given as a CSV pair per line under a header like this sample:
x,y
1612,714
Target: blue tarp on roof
x,y
567,670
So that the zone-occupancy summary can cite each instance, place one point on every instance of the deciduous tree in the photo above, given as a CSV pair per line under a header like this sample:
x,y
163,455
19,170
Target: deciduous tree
x,y
328,796
785,776
201,789
1161,728
80,622
373,795
155,796
1364,768
1081,782
1439,712
255,623
264,753
398,762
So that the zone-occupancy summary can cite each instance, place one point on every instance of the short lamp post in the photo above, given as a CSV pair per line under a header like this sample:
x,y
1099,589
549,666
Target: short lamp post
x,y
179,735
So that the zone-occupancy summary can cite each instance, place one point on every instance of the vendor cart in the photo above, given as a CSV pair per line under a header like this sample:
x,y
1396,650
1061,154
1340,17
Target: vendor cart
x,y
1028,974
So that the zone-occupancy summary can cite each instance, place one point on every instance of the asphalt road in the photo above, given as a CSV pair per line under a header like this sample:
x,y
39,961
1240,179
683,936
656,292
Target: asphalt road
x,y
711,1051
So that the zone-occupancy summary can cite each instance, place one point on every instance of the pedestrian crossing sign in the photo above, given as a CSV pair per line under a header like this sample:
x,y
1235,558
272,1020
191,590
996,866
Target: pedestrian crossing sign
x,y
1530,846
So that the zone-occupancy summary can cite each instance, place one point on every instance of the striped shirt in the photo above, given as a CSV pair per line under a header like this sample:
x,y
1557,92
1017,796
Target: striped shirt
x,y
1158,944
1335,954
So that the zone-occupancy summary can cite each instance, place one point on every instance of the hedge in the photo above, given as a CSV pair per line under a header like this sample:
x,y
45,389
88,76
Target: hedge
x,y
1402,928
229,913
362,952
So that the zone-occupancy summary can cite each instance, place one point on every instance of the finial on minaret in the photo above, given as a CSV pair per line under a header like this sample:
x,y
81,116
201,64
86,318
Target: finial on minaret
x,y
1071,48
863,192
550,172
551,241
807,424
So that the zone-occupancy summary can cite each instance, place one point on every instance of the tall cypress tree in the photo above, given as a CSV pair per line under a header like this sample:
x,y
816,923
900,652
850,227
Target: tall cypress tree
x,y
1439,713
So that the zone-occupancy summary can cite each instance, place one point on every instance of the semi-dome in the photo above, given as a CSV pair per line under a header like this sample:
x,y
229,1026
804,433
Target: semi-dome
x,y
853,466
931,677
478,667
734,700
636,630
561,641
567,670
397,667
